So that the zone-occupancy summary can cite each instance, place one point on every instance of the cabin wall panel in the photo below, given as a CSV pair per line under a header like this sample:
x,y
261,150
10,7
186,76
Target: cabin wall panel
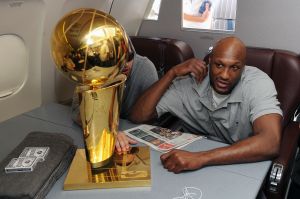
x,y
268,23
23,21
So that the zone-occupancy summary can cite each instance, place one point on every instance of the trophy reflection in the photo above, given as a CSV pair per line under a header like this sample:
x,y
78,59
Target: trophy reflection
x,y
90,48
131,169
126,167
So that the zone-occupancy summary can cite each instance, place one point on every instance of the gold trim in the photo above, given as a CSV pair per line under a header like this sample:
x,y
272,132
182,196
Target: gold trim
x,y
127,170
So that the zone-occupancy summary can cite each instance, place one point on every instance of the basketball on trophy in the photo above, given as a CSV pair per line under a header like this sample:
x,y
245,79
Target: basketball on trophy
x,y
89,46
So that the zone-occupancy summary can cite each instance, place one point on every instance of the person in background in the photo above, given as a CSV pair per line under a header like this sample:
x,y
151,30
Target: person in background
x,y
202,19
141,74
235,104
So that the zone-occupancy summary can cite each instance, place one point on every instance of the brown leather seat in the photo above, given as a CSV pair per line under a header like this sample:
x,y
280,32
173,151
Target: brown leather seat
x,y
284,68
163,52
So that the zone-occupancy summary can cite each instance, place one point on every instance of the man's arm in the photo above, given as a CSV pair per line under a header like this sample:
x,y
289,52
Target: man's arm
x,y
264,144
145,107
196,18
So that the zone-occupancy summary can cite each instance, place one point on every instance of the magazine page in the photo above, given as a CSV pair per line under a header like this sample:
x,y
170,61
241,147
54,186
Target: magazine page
x,y
161,139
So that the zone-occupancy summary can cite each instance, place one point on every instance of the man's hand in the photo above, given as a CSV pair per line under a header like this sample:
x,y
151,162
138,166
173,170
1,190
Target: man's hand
x,y
179,160
193,66
144,108
263,145
123,142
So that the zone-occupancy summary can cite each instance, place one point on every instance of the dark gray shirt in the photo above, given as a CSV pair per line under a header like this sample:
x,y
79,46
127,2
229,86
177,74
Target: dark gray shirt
x,y
255,95
143,75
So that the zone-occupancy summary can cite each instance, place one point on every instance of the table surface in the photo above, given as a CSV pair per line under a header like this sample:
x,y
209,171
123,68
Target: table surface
x,y
225,181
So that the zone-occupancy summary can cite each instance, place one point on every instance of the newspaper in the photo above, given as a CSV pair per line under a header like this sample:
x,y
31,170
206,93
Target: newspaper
x,y
161,139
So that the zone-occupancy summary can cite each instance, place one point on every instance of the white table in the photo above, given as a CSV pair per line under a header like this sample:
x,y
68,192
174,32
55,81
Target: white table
x,y
226,181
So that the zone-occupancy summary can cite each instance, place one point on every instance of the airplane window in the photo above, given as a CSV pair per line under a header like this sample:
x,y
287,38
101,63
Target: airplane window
x,y
154,10
13,65
219,15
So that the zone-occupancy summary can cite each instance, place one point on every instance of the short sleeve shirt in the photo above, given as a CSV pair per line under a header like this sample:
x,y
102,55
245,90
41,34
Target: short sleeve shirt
x,y
255,95
143,75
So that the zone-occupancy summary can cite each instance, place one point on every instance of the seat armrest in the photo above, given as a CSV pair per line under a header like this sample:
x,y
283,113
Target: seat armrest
x,y
281,168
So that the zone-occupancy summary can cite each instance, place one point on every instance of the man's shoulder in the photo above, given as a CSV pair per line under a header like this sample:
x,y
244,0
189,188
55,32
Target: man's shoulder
x,y
185,83
255,81
253,76
139,58
143,70
260,93
143,63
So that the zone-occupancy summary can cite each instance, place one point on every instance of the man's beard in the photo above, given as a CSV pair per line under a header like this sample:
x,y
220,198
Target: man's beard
x,y
211,81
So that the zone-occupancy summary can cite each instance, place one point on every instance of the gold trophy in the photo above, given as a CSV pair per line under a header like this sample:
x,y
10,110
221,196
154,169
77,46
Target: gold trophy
x,y
90,47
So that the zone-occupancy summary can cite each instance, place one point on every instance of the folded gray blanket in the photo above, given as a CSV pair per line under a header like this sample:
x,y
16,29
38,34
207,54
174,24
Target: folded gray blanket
x,y
36,184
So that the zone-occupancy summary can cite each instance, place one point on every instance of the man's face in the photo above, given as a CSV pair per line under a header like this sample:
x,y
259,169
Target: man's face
x,y
225,71
127,68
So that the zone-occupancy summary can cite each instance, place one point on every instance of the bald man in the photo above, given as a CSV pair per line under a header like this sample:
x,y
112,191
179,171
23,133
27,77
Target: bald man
x,y
235,104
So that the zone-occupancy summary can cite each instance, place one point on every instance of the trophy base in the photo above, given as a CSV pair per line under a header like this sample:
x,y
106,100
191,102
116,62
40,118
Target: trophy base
x,y
101,164
127,170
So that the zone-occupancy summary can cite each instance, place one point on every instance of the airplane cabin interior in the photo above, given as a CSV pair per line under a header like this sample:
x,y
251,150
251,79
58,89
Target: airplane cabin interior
x,y
35,94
